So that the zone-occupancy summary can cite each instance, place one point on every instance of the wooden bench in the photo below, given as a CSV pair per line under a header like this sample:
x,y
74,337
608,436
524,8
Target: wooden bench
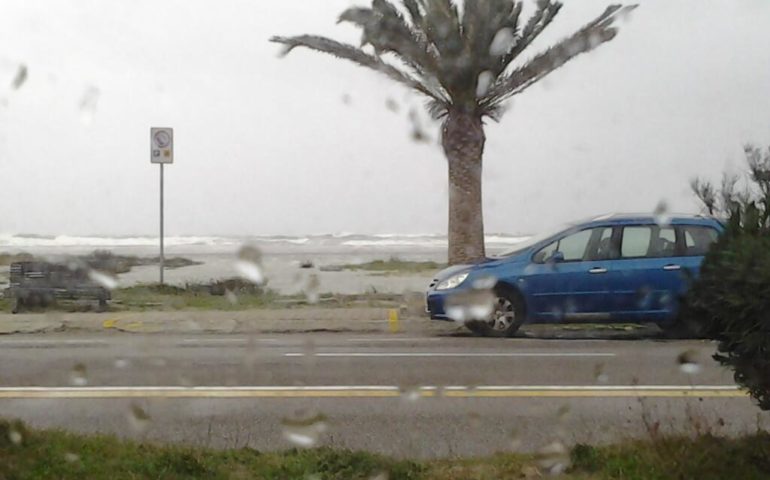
x,y
39,284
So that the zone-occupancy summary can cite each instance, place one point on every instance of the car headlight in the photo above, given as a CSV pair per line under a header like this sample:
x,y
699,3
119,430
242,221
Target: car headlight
x,y
452,282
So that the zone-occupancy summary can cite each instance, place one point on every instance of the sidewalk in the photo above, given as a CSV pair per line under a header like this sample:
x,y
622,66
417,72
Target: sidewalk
x,y
308,319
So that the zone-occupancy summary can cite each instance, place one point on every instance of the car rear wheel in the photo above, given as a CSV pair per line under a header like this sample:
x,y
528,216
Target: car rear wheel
x,y
506,318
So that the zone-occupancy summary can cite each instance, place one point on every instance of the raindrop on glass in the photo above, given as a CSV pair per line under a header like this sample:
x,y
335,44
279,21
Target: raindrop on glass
x,y
138,418
121,363
457,313
312,288
231,297
688,363
78,375
392,105
249,264
503,42
88,103
103,279
554,458
70,457
662,217
484,82
410,393
15,437
600,375
304,432
20,77
516,441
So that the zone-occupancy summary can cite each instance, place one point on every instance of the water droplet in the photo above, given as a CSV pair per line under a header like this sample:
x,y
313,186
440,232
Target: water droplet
x,y
600,375
304,432
662,218
562,413
346,99
553,458
231,297
644,297
485,283
480,311
70,457
418,132
516,441
78,375
484,82
103,279
20,77
392,105
121,363
410,393
594,40
503,42
249,264
456,313
15,437
312,287
688,362
88,104
138,419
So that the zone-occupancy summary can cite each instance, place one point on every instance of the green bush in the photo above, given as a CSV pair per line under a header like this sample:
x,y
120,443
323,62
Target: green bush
x,y
730,301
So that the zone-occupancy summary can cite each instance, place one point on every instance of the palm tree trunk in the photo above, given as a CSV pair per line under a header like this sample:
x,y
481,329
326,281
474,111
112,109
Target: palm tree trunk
x,y
463,141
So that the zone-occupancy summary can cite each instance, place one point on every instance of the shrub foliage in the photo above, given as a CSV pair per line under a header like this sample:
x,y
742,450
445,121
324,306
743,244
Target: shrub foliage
x,y
730,301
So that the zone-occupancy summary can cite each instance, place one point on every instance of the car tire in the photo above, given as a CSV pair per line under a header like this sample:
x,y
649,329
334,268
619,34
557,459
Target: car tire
x,y
509,315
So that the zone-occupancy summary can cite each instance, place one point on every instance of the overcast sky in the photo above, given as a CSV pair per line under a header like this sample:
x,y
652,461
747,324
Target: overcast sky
x,y
266,145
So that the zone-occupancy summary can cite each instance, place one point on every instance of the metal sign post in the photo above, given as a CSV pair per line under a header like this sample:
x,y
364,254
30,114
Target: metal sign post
x,y
162,153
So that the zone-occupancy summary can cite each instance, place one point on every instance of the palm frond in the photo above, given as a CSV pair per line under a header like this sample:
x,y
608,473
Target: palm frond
x,y
356,55
589,37
387,31
546,12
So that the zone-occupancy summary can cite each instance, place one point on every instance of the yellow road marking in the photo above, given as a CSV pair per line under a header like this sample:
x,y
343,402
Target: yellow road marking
x,y
366,392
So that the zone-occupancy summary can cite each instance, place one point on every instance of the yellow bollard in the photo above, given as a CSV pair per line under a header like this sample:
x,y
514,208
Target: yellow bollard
x,y
393,321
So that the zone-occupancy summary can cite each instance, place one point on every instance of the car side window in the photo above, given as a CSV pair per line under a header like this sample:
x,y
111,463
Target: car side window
x,y
636,242
663,242
698,240
648,241
590,244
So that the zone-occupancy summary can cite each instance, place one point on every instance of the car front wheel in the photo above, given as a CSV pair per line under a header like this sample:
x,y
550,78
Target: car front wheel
x,y
507,317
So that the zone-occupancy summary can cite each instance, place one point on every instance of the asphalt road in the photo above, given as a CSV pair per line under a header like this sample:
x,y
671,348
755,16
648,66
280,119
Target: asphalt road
x,y
415,396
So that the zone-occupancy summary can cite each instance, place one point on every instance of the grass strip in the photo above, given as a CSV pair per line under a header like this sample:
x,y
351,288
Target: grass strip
x,y
32,454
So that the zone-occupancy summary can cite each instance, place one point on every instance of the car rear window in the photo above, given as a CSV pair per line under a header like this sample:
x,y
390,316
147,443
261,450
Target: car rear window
x,y
697,240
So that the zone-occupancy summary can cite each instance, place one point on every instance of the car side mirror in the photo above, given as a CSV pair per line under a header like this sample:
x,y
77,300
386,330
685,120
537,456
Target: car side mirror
x,y
557,257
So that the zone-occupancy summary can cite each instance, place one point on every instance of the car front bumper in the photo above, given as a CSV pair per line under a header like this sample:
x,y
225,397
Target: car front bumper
x,y
434,305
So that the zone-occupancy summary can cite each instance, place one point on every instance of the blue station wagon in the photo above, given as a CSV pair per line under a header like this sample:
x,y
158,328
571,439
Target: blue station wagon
x,y
614,268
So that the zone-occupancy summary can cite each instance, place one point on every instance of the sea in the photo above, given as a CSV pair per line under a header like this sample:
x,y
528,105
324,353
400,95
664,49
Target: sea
x,y
290,264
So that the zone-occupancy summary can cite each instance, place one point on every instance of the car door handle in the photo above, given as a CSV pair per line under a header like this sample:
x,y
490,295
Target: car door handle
x,y
672,267
598,270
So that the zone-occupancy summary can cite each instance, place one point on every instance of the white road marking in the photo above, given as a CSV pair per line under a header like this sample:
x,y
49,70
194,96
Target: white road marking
x,y
453,355
227,340
378,391
50,343
397,339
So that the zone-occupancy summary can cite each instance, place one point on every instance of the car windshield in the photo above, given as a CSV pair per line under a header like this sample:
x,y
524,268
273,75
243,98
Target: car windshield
x,y
534,240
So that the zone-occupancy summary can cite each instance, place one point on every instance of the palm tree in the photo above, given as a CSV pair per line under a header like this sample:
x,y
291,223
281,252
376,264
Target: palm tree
x,y
464,65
